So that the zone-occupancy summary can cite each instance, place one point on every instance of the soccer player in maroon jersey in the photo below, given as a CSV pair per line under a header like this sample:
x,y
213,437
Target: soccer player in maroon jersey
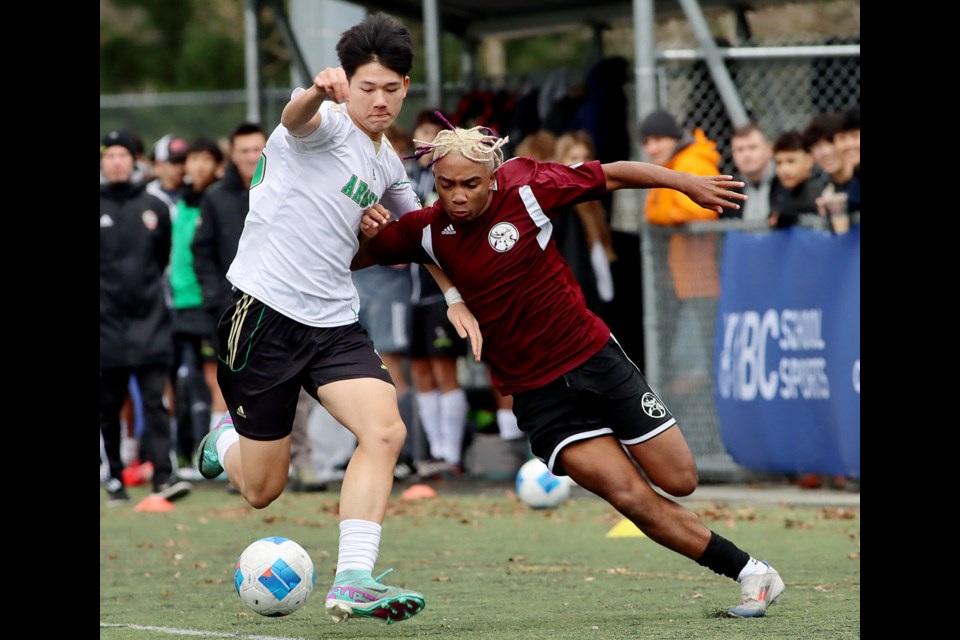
x,y
585,407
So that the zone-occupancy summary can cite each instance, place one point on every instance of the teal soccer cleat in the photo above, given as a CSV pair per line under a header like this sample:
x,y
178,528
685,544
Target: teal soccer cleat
x,y
208,460
364,597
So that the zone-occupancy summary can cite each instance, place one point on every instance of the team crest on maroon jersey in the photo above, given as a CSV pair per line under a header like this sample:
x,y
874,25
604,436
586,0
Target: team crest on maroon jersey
x,y
503,236
150,219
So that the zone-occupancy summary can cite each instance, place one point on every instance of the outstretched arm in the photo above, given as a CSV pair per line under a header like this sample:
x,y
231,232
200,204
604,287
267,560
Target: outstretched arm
x,y
709,192
301,116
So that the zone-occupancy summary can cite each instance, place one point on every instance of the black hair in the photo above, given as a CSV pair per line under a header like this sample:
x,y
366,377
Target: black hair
x,y
789,141
245,129
822,127
379,38
850,119
200,145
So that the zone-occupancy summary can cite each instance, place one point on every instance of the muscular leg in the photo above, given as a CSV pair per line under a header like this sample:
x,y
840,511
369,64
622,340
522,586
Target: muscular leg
x,y
258,469
368,408
601,466
668,462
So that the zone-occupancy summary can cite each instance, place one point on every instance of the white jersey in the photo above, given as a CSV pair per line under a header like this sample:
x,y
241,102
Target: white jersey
x,y
306,202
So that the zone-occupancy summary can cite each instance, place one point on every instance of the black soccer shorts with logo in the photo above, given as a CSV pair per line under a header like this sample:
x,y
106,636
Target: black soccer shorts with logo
x,y
265,358
606,395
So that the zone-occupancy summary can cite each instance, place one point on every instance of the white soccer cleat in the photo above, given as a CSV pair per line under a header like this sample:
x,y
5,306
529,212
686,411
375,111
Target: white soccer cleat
x,y
759,590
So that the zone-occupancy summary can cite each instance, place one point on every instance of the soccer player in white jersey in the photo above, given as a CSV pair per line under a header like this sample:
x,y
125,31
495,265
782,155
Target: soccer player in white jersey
x,y
293,322
586,408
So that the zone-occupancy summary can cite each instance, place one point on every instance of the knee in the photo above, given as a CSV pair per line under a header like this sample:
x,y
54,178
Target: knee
x,y
395,436
389,437
625,499
681,482
260,498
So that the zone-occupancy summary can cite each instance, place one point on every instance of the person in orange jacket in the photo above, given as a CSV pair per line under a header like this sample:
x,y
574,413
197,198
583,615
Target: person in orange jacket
x,y
691,257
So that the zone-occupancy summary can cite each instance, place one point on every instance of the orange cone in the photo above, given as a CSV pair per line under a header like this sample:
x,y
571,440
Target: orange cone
x,y
418,491
153,504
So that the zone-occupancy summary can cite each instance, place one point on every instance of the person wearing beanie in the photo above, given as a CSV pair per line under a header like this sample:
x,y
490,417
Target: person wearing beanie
x,y
135,327
123,139
132,144
691,256
660,123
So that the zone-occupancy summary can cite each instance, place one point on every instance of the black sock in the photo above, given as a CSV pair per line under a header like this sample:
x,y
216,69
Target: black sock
x,y
723,557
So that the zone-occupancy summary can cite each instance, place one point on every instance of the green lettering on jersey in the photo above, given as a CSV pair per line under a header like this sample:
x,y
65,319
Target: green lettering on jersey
x,y
361,190
358,191
260,171
369,199
350,186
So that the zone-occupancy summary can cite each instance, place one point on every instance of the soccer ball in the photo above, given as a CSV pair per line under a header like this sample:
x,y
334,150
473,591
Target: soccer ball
x,y
538,487
274,576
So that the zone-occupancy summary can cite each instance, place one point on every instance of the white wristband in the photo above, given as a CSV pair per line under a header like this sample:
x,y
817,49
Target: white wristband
x,y
452,296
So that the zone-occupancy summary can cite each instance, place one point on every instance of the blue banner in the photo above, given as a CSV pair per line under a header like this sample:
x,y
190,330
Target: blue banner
x,y
787,351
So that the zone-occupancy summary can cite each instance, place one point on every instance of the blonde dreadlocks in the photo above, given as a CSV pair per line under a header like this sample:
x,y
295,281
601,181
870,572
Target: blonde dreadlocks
x,y
478,144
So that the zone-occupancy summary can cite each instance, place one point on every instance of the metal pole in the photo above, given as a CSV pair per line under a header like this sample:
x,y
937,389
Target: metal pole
x,y
251,59
431,36
645,87
644,71
718,71
286,32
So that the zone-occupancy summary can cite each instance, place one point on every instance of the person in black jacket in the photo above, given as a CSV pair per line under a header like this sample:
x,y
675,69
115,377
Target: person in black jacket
x,y
135,329
223,210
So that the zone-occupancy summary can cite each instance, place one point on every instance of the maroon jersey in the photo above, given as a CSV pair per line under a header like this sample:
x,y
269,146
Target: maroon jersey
x,y
535,322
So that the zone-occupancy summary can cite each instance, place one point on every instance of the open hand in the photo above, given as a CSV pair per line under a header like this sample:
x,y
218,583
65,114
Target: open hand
x,y
715,192
467,326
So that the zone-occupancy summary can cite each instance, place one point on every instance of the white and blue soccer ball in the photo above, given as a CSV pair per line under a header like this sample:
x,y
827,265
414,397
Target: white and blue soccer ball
x,y
274,576
537,487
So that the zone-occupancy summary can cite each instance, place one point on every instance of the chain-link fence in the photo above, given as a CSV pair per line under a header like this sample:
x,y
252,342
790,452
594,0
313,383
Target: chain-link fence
x,y
680,288
781,88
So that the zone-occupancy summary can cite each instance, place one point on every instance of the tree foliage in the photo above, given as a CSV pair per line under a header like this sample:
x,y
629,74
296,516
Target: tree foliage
x,y
170,45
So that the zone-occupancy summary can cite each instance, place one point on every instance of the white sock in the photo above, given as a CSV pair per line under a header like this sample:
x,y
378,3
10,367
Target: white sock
x,y
428,408
226,440
453,414
507,422
753,567
359,545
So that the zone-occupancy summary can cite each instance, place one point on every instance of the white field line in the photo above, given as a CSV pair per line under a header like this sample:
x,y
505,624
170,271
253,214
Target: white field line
x,y
194,632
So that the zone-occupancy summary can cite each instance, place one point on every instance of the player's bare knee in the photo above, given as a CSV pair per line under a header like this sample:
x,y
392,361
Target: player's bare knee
x,y
681,482
390,437
624,498
260,497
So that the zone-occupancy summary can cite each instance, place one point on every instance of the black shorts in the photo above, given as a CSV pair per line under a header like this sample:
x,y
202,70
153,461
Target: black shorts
x,y
266,358
606,395
431,333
